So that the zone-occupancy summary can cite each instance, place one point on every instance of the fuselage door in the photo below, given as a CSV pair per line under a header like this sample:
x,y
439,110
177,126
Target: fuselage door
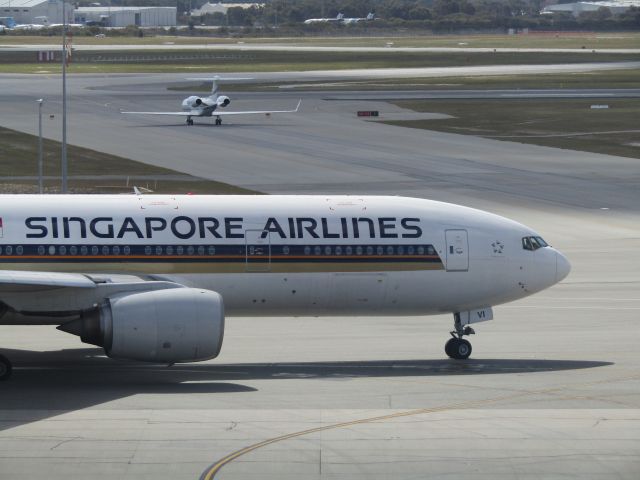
x,y
257,250
457,250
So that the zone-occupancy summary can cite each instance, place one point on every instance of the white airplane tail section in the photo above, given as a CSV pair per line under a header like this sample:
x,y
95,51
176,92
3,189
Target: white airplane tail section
x,y
217,78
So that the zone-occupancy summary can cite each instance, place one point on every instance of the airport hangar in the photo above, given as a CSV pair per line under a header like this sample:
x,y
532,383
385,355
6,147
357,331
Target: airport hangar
x,y
34,11
552,390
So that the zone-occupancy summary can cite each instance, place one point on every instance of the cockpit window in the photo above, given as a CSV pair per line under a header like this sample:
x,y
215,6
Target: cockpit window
x,y
533,243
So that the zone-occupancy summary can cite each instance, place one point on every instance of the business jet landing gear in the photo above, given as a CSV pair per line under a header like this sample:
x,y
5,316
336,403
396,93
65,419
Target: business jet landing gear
x,y
218,121
5,368
457,347
189,121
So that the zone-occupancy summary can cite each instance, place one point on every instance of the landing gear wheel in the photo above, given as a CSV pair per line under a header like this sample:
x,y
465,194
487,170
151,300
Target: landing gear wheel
x,y
5,368
189,121
458,348
448,347
218,121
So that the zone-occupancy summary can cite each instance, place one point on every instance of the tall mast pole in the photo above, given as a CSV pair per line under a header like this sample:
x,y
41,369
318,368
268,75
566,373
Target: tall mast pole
x,y
64,97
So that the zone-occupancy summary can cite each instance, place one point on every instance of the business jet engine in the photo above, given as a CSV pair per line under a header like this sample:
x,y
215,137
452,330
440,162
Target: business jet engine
x,y
223,101
174,325
195,102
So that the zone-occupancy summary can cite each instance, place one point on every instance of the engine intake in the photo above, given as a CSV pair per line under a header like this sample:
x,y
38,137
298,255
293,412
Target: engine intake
x,y
223,101
175,325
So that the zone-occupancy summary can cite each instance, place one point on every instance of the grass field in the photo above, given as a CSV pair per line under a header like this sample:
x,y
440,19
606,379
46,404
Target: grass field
x,y
601,79
261,61
534,40
19,157
570,124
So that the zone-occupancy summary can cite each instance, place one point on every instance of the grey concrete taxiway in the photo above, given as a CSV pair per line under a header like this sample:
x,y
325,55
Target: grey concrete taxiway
x,y
553,386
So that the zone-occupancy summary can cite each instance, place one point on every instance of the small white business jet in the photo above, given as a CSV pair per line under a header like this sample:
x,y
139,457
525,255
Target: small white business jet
x,y
152,277
194,106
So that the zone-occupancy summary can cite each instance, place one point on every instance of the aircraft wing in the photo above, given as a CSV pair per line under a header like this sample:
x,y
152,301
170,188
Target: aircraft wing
x,y
19,280
249,112
182,114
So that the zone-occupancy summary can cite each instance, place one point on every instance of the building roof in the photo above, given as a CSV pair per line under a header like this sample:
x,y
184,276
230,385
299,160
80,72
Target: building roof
x,y
117,9
21,3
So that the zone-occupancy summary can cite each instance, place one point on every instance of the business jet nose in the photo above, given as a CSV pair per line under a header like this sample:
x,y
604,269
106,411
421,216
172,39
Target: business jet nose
x,y
563,267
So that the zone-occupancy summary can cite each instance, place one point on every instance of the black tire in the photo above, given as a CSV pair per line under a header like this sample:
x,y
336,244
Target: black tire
x,y
450,346
462,349
5,368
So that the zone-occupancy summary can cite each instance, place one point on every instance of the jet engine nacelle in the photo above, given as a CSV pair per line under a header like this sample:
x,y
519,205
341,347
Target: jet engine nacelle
x,y
192,102
223,101
174,325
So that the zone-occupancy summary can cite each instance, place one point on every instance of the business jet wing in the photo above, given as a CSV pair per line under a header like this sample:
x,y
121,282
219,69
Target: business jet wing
x,y
255,112
182,114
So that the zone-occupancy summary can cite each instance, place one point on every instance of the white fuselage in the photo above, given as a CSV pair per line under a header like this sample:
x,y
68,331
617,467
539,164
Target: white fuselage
x,y
278,255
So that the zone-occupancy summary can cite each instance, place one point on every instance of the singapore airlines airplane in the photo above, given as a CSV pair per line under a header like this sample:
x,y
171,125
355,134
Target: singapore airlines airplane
x,y
152,277
194,106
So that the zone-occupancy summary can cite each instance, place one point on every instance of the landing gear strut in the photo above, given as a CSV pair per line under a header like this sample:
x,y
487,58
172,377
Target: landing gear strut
x,y
218,121
5,368
189,121
457,347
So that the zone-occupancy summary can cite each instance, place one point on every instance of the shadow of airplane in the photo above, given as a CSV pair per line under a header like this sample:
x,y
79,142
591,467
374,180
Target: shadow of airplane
x,y
49,383
205,124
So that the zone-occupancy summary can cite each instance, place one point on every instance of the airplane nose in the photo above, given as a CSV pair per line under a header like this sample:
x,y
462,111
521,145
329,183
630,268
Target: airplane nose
x,y
563,267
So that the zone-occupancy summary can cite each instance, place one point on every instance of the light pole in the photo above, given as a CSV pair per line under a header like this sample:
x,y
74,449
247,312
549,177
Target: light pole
x,y
64,97
40,182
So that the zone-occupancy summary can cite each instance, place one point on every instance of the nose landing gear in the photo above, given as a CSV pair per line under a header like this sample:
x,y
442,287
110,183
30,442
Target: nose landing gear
x,y
5,368
457,347
218,121
189,121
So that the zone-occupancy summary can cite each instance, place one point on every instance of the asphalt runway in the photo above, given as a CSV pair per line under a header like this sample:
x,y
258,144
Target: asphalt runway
x,y
553,386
